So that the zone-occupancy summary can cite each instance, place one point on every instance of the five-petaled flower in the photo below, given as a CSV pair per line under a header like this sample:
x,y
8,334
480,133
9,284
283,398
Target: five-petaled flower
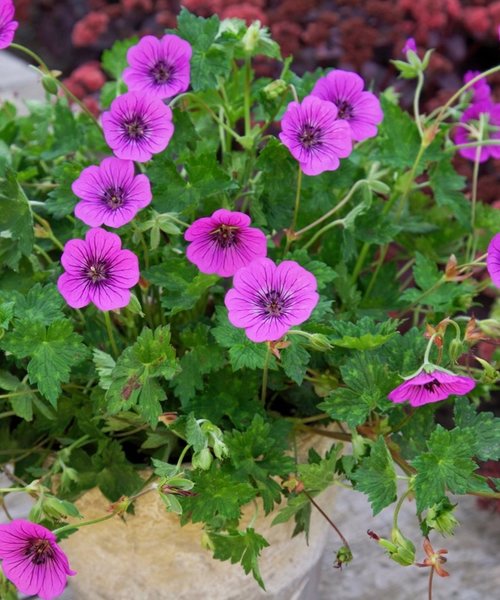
x,y
159,68
7,24
493,259
110,193
434,559
98,271
480,89
471,116
314,135
32,560
360,109
137,126
431,386
266,300
223,243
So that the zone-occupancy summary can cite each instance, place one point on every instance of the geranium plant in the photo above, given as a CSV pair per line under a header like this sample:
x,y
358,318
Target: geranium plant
x,y
221,262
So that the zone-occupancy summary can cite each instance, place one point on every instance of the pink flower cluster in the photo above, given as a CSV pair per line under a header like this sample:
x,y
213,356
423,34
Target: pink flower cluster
x,y
321,129
138,125
482,107
266,300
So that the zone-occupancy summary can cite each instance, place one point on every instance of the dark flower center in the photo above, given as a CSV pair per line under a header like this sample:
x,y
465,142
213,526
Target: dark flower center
x,y
161,72
431,385
97,271
114,197
273,303
345,110
39,551
135,128
310,136
225,236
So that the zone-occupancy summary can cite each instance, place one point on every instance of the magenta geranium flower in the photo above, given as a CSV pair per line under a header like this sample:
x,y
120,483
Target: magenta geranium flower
x,y
32,560
314,135
266,300
137,126
493,259
7,24
481,91
433,386
98,271
223,243
159,68
111,194
463,136
358,108
409,45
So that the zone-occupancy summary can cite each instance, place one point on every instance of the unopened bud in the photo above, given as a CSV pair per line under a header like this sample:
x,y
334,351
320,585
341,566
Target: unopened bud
x,y
49,85
275,89
440,517
319,342
202,459
251,38
455,349
490,374
400,549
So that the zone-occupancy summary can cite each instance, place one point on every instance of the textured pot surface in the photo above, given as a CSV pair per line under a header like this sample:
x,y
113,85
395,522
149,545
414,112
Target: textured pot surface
x,y
150,557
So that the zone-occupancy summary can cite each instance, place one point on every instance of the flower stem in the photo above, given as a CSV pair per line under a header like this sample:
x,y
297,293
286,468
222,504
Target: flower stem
x,y
472,240
182,455
291,234
465,87
335,209
247,95
46,71
429,589
398,508
323,230
265,373
70,526
330,522
297,199
429,348
109,328
50,234
416,101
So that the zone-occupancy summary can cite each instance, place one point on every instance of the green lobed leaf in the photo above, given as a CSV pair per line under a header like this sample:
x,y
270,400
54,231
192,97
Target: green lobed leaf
x,y
485,427
240,546
447,465
114,60
134,376
448,187
376,477
243,353
16,222
52,350
295,359
218,497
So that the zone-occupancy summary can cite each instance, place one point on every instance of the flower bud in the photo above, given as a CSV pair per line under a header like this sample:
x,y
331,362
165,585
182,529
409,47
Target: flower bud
x,y
400,549
440,517
455,349
275,89
251,38
319,342
202,459
49,85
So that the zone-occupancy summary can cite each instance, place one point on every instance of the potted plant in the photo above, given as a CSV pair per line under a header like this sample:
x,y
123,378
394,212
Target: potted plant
x,y
221,271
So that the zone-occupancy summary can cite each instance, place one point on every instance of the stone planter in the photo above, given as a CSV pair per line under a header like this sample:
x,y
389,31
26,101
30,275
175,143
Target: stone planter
x,y
150,557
